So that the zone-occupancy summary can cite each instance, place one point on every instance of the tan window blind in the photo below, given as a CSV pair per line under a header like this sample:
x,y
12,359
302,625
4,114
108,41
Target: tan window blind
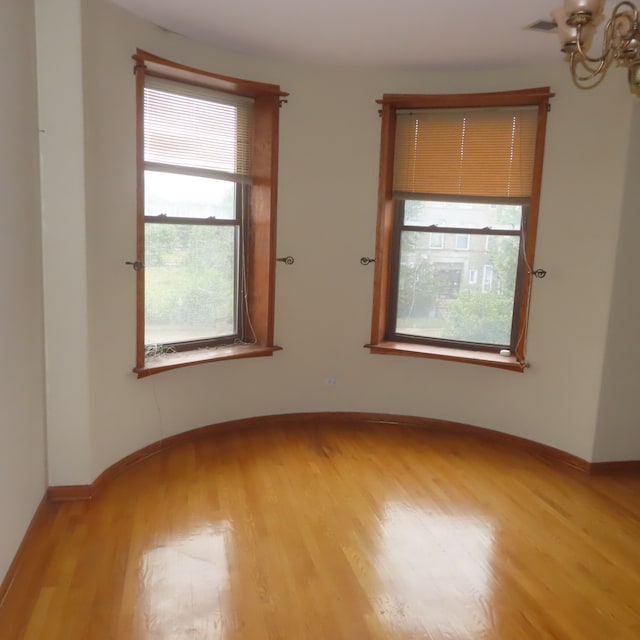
x,y
481,152
196,127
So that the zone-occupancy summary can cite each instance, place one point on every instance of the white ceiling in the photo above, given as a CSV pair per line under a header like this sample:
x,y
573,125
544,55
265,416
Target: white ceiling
x,y
410,34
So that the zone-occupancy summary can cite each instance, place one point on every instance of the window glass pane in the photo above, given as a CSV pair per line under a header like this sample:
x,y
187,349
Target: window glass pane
x,y
189,282
183,196
462,241
450,295
436,240
462,214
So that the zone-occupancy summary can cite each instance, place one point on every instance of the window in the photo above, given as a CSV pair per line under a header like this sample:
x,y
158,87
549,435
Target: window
x,y
462,241
465,169
487,278
436,241
207,184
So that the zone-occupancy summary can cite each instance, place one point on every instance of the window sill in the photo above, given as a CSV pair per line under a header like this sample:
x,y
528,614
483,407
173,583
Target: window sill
x,y
169,361
441,353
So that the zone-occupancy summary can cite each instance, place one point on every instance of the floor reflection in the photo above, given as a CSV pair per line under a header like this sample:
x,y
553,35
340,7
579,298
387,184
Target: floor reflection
x,y
185,583
436,572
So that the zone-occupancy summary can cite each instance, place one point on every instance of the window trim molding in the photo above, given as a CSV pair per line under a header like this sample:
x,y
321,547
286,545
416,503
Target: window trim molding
x,y
181,359
419,350
260,231
384,269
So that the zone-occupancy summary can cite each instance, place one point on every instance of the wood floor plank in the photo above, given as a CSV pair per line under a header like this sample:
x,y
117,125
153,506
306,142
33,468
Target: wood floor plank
x,y
336,531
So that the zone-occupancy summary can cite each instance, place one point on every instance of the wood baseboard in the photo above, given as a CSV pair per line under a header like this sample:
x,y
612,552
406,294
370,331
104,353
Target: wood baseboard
x,y
66,493
543,451
622,467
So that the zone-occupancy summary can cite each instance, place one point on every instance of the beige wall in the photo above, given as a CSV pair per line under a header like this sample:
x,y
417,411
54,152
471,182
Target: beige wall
x,y
64,252
22,455
618,427
328,181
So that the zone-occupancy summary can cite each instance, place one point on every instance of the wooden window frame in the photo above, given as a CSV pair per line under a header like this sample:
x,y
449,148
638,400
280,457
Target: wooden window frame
x,y
260,224
383,289
453,233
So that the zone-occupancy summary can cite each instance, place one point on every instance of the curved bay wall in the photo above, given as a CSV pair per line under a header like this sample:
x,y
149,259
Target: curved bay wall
x,y
326,219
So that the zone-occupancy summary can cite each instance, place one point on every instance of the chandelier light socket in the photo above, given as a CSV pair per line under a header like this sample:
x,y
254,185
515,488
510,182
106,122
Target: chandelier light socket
x,y
631,50
568,33
579,18
583,11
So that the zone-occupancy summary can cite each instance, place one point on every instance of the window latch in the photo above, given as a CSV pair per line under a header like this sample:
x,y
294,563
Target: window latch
x,y
137,265
287,260
365,261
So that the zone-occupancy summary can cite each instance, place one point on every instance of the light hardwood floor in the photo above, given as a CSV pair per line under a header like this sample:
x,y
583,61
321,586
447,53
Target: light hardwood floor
x,y
336,531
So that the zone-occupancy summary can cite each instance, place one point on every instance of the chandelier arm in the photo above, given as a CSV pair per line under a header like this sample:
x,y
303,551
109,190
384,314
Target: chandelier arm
x,y
624,38
625,3
608,43
633,28
578,58
582,82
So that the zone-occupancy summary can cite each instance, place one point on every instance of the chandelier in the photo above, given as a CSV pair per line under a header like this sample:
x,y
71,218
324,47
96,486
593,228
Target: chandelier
x,y
577,22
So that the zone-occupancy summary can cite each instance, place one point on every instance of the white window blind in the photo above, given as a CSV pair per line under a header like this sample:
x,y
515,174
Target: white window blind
x,y
196,127
482,152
